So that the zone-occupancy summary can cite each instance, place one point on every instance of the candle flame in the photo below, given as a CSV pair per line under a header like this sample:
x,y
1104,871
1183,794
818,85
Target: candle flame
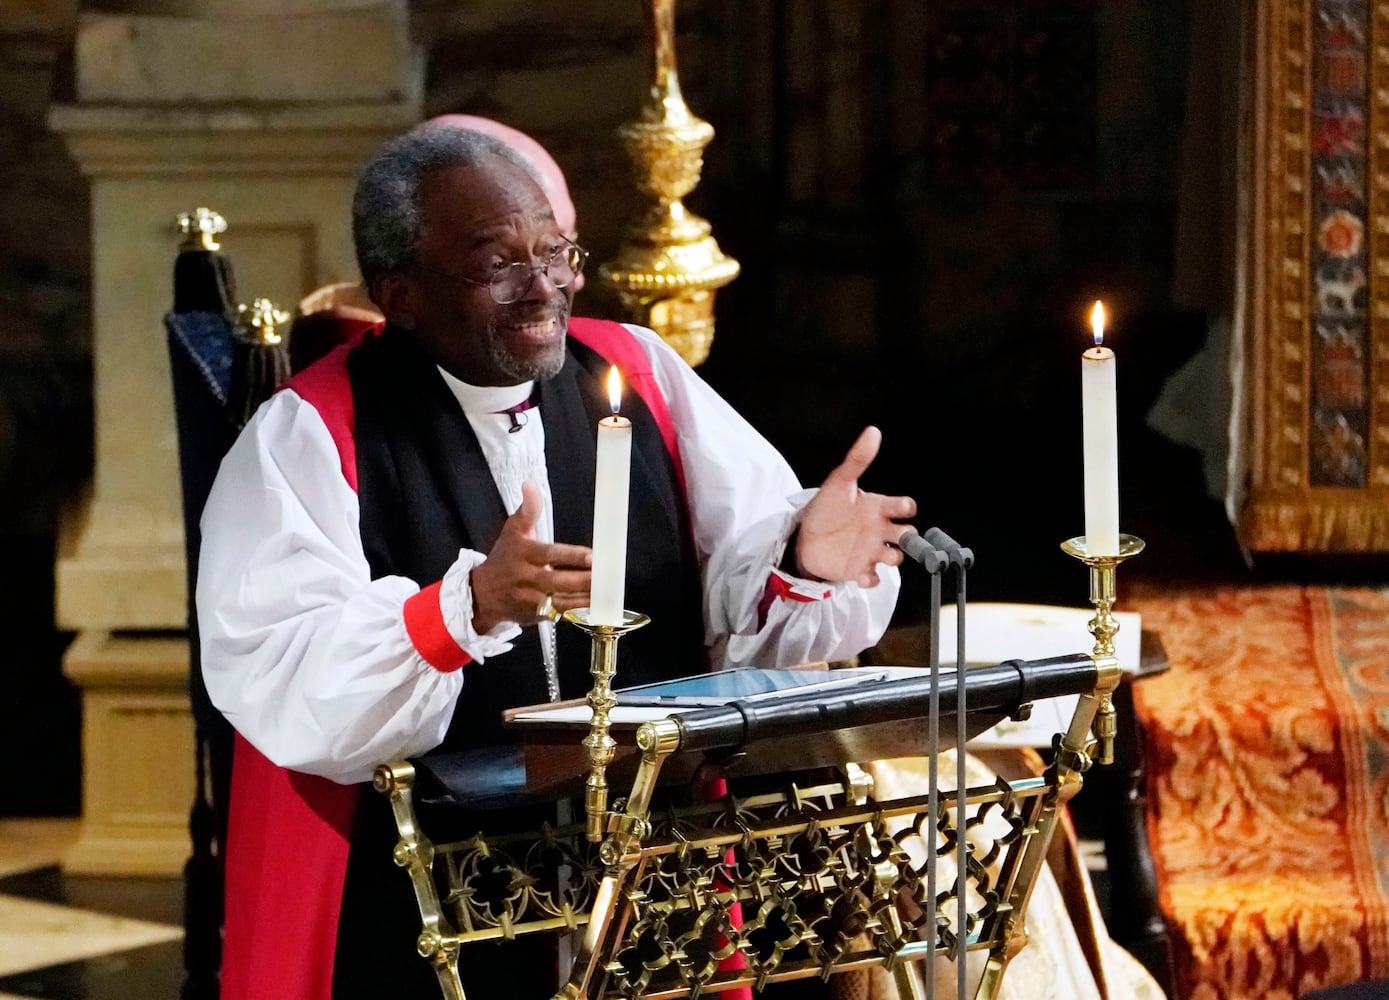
x,y
614,390
1097,322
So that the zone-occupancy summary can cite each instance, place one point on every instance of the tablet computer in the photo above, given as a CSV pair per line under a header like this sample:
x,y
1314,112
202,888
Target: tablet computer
x,y
723,686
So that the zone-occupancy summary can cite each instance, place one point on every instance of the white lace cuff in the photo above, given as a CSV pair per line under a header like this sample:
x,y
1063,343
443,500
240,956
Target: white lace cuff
x,y
456,604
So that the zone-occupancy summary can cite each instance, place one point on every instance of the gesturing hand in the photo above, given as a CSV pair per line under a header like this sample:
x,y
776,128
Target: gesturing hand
x,y
520,571
844,531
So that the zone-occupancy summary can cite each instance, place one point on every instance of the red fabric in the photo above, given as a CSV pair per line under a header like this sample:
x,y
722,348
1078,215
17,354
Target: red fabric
x,y
618,345
424,622
777,587
1266,784
717,788
287,845
288,832
737,962
325,386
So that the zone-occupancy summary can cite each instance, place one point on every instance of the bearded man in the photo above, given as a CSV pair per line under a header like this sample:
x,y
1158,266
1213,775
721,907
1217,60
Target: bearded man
x,y
390,537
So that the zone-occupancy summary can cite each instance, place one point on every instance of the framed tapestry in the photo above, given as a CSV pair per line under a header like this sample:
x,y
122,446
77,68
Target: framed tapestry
x,y
1318,262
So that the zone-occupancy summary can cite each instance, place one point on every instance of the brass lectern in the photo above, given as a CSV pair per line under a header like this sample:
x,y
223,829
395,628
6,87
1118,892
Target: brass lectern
x,y
798,873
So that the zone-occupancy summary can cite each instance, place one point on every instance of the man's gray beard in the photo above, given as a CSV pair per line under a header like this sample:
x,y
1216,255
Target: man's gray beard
x,y
523,371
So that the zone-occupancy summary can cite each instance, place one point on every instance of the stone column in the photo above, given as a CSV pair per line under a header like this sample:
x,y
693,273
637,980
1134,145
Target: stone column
x,y
266,119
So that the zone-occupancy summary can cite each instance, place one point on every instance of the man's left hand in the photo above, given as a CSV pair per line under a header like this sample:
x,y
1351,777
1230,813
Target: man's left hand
x,y
844,531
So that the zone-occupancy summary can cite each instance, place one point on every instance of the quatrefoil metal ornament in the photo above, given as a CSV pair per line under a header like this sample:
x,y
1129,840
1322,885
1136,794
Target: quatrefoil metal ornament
x,y
647,951
909,895
991,899
492,889
803,855
745,865
988,813
710,939
845,918
560,880
671,876
877,844
773,930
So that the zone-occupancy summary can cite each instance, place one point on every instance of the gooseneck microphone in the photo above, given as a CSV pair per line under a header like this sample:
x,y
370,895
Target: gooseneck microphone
x,y
959,556
920,550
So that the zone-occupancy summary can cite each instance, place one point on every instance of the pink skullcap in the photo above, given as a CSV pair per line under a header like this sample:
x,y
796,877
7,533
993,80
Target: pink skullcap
x,y
551,178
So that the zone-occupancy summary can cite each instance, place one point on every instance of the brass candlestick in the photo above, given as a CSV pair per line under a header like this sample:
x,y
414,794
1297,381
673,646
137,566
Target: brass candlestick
x,y
601,745
1104,626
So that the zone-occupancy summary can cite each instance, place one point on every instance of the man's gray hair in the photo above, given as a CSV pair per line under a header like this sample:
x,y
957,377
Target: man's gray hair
x,y
386,205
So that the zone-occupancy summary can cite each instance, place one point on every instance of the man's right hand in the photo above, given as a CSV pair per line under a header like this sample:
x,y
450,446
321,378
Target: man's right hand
x,y
519,572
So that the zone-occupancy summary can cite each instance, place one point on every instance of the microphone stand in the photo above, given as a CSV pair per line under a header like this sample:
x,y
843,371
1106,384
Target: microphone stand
x,y
960,559
935,558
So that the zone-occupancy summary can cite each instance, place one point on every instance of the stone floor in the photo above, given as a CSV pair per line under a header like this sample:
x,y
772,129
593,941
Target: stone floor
x,y
82,938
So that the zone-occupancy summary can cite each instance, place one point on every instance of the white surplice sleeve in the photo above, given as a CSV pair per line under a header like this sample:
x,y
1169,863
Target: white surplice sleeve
x,y
744,503
307,656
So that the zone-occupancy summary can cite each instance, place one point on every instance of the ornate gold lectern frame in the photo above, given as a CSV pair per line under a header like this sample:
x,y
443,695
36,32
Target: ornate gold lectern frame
x,y
826,880
1318,299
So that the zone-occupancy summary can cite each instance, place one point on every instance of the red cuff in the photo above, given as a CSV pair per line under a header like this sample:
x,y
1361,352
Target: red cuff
x,y
424,623
779,587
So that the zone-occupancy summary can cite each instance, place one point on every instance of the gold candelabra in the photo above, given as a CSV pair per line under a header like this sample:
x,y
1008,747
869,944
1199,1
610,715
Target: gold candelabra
x,y
669,265
1104,626
599,742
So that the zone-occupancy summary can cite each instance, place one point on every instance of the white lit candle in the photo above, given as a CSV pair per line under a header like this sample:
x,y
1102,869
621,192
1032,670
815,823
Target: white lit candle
x,y
611,489
1101,438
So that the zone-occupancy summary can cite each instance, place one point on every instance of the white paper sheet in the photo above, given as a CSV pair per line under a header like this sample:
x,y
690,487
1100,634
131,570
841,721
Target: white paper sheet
x,y
997,632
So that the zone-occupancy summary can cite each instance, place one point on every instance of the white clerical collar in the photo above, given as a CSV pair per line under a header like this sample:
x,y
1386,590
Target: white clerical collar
x,y
487,398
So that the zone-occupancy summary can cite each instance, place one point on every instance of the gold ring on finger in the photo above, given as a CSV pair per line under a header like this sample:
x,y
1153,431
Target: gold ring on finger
x,y
546,609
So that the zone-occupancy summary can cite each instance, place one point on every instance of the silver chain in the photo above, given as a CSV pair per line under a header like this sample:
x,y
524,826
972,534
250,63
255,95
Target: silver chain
x,y
549,656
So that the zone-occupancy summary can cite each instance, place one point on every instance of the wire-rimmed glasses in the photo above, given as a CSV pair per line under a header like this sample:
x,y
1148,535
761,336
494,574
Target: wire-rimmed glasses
x,y
509,282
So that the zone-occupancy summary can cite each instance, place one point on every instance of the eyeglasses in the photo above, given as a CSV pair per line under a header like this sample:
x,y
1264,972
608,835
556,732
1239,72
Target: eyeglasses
x,y
510,282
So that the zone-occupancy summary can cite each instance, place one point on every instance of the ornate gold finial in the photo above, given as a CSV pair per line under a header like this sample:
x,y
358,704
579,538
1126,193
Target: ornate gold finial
x,y
200,228
668,268
260,322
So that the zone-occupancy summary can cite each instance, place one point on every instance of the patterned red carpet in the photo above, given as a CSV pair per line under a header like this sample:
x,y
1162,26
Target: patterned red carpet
x,y
1268,756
